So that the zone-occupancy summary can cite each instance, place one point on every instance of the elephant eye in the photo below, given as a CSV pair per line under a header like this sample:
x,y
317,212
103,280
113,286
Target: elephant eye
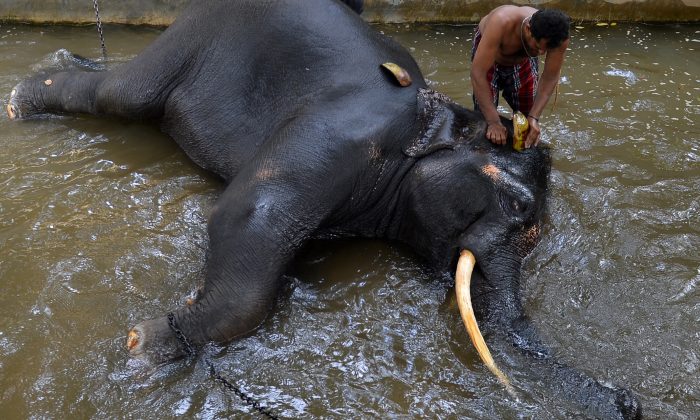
x,y
517,206
513,205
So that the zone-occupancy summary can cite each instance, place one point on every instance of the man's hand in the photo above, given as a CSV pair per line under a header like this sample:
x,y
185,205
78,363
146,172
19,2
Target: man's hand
x,y
533,135
496,132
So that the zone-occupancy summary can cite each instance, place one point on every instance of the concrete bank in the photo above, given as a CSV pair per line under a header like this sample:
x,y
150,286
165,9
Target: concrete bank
x,y
163,12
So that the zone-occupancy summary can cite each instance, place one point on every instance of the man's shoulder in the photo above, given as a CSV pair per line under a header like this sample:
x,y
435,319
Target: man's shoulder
x,y
502,18
510,13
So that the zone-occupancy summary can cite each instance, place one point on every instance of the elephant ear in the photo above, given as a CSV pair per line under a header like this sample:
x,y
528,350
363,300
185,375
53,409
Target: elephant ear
x,y
437,118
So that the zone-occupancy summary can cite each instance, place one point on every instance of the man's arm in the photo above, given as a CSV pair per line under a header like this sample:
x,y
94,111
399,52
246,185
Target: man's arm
x,y
548,81
484,59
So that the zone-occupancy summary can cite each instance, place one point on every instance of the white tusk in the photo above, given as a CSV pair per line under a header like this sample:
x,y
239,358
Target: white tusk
x,y
463,278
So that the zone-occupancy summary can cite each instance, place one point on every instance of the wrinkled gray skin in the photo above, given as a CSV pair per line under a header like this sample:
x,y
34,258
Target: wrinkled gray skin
x,y
286,101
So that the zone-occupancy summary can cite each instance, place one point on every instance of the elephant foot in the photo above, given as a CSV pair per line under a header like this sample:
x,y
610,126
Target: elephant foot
x,y
20,105
155,342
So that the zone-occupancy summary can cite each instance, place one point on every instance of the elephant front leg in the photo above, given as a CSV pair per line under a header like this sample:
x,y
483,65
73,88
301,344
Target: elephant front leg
x,y
254,232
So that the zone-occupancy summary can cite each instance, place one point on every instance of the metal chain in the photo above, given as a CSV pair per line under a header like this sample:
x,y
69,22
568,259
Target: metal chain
x,y
189,349
99,29
180,335
267,412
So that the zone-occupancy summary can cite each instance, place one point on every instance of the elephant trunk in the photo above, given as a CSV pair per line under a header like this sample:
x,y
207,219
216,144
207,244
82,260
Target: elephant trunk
x,y
518,337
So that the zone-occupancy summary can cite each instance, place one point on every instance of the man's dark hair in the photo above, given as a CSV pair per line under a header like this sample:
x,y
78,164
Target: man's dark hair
x,y
551,24
356,5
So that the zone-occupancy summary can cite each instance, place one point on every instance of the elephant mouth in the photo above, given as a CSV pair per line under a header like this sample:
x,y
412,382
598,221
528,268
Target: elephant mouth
x,y
465,266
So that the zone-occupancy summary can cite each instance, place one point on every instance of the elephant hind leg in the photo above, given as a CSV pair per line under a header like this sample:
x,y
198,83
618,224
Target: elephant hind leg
x,y
62,92
124,92
81,92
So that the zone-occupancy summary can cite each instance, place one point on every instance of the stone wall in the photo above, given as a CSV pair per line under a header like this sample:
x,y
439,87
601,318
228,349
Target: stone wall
x,y
163,12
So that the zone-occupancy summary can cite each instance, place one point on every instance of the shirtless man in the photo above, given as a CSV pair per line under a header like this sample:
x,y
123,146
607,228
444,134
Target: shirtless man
x,y
504,57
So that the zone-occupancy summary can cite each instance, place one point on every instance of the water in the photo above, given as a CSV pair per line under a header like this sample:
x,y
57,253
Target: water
x,y
102,224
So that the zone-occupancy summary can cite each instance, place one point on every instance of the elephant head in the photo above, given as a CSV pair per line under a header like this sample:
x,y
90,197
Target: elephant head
x,y
476,209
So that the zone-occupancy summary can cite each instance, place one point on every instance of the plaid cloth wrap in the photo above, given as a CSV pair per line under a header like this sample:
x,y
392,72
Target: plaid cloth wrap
x,y
518,82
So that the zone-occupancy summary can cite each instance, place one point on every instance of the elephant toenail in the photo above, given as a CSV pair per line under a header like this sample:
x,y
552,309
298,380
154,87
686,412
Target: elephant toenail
x,y
11,112
132,340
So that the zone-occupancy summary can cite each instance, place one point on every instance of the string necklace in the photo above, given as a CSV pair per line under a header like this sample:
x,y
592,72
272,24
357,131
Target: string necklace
x,y
522,26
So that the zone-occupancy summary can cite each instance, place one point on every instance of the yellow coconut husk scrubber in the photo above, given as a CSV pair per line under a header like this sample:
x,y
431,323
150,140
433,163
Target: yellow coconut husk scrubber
x,y
520,129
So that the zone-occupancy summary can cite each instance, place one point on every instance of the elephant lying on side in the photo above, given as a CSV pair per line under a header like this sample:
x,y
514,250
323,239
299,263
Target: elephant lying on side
x,y
289,103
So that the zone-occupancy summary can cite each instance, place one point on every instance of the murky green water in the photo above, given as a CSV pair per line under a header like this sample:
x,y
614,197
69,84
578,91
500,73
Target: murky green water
x,y
102,224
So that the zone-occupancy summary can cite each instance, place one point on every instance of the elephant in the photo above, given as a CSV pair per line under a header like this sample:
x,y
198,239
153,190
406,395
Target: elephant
x,y
319,126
